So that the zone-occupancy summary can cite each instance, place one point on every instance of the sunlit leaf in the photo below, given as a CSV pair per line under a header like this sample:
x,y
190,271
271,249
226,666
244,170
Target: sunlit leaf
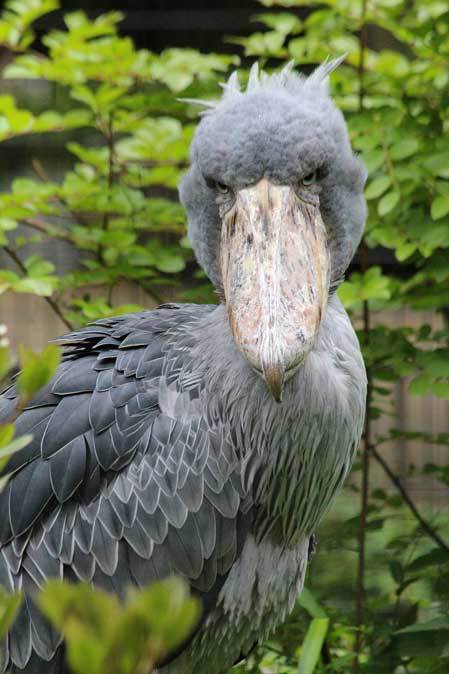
x,y
37,369
312,645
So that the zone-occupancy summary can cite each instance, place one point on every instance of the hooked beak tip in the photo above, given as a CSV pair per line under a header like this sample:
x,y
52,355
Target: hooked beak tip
x,y
274,376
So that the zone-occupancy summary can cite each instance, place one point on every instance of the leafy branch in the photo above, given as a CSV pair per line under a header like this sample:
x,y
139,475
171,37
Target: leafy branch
x,y
49,300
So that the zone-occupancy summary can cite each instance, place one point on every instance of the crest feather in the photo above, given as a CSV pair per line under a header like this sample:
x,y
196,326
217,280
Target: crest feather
x,y
320,76
233,83
294,83
253,79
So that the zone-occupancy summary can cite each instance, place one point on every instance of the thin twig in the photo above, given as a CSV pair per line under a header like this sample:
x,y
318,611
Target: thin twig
x,y
46,228
109,135
54,305
425,526
79,216
154,163
389,164
40,171
151,294
360,582
50,301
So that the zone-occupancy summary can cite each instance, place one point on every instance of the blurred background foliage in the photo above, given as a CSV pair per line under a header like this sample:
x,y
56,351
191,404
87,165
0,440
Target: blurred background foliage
x,y
378,590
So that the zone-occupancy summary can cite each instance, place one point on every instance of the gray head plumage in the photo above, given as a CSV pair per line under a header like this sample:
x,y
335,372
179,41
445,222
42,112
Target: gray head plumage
x,y
281,138
290,100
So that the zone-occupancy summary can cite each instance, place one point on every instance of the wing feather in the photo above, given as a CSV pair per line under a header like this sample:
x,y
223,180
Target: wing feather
x,y
111,490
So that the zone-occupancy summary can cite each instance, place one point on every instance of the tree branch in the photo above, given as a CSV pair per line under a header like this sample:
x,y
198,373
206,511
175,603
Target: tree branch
x,y
151,294
46,228
360,582
425,526
50,301
108,133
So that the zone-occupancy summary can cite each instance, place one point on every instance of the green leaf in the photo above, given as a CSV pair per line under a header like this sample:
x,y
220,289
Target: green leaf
x,y
421,384
282,22
404,250
397,571
404,148
9,606
373,159
441,389
104,635
387,203
36,266
13,446
7,224
37,369
6,434
4,362
372,285
438,164
171,265
441,623
308,601
377,187
169,610
432,559
440,207
37,286
312,645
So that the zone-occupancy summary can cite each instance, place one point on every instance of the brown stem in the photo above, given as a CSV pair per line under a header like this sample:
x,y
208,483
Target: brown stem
x,y
364,490
389,164
57,310
109,134
155,297
150,163
46,228
362,53
40,170
111,149
360,581
50,301
425,526
79,216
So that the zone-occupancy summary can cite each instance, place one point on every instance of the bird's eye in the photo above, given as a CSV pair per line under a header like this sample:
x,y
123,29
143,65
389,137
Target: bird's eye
x,y
309,179
222,188
216,185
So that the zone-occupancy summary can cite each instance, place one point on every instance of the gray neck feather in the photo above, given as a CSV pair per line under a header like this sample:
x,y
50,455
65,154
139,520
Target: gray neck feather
x,y
294,454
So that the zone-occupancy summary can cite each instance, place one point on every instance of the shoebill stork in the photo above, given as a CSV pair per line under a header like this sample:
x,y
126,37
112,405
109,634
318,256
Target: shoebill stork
x,y
207,440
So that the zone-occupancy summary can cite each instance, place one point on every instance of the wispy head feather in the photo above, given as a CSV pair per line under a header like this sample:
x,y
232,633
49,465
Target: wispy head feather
x,y
316,84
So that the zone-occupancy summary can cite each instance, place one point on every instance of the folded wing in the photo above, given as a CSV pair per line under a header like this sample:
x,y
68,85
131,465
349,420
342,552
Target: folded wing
x,y
125,480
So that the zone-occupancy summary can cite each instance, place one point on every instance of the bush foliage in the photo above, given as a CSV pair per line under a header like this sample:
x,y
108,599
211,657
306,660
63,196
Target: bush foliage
x,y
382,583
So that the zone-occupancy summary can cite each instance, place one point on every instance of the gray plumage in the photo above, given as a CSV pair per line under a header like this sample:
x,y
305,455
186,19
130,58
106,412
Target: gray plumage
x,y
157,449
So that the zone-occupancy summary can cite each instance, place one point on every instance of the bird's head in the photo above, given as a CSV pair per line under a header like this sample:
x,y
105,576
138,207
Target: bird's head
x,y
275,206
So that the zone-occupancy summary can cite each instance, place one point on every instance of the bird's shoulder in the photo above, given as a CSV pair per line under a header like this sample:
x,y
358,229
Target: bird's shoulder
x,y
112,427
125,480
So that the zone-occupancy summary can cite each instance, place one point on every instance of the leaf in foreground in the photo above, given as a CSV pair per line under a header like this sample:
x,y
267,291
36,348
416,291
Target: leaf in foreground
x,y
9,605
37,370
104,635
313,643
